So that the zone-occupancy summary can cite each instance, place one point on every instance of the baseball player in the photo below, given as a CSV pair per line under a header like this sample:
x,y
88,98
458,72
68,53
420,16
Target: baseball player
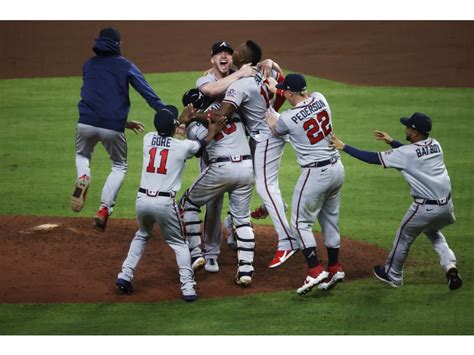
x,y
251,97
422,164
230,170
213,86
163,163
317,191
103,111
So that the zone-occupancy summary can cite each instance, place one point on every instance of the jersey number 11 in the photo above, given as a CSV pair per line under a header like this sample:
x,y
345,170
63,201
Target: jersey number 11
x,y
151,164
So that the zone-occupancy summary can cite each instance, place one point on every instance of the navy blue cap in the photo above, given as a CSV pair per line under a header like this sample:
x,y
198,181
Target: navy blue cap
x,y
221,46
111,33
293,82
166,120
418,121
194,97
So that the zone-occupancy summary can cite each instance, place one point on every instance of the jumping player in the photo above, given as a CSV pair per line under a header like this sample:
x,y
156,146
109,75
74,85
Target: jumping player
x,y
317,192
103,111
422,164
163,163
213,86
251,98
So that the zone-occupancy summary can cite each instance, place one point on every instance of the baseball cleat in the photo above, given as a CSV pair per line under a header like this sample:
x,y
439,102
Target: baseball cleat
x,y
315,276
280,257
379,272
79,195
259,213
124,286
335,275
100,220
243,278
197,262
211,265
190,298
454,280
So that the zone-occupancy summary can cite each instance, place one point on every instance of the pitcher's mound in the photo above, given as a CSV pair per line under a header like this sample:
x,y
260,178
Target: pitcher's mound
x,y
58,259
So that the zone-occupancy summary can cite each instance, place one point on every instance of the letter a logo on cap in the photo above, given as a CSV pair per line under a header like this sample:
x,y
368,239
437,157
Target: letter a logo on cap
x,y
223,44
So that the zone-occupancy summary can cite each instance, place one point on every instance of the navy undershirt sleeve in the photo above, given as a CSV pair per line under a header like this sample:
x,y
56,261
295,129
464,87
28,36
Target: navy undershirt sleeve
x,y
201,150
368,157
395,144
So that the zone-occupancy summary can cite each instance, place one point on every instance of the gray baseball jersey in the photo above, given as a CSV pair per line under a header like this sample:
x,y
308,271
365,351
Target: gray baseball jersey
x,y
422,165
317,191
309,123
251,97
163,163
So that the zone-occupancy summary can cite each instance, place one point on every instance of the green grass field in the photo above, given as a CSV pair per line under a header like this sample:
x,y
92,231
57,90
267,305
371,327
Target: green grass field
x,y
38,119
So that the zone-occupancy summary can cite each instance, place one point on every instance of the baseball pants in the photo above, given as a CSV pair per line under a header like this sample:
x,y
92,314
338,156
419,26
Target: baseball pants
x,y
164,212
115,144
427,219
267,158
235,178
317,196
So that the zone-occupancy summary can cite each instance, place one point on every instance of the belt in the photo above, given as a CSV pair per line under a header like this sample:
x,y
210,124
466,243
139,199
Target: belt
x,y
233,159
318,164
156,193
424,201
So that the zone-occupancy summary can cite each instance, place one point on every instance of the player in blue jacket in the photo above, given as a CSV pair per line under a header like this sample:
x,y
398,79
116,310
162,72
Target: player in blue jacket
x,y
103,112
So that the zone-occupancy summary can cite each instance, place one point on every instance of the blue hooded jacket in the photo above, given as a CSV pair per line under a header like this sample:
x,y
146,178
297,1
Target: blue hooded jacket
x,y
105,100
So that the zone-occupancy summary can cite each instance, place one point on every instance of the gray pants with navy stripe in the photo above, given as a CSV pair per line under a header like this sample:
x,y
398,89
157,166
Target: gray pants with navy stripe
x,y
164,212
237,180
427,219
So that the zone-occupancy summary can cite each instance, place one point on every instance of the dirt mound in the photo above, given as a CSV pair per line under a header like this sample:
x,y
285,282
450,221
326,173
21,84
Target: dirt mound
x,y
66,260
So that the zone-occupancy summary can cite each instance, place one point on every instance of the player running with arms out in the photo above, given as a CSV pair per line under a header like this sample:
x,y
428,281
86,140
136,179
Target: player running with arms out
x,y
103,111
251,98
164,158
212,87
317,191
422,164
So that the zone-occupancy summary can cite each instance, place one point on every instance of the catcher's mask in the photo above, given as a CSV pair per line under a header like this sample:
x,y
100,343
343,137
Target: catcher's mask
x,y
194,97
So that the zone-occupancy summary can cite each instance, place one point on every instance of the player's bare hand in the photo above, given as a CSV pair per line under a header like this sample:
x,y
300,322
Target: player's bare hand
x,y
335,142
187,114
136,126
271,84
382,136
180,131
247,70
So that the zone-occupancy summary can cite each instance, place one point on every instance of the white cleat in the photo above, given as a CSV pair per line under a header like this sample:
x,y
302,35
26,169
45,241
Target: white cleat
x,y
211,265
310,282
332,281
197,263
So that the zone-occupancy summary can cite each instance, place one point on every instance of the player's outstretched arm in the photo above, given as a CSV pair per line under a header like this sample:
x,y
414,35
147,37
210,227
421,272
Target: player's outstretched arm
x,y
219,87
383,136
136,126
215,127
365,156
271,117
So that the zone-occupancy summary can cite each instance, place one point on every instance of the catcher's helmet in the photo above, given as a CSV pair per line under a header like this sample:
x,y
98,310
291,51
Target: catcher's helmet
x,y
194,97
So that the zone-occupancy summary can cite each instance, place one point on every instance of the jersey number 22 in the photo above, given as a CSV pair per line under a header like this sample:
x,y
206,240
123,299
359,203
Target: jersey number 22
x,y
317,129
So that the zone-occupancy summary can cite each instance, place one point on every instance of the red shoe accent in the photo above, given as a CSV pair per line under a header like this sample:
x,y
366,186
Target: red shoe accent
x,y
334,269
101,219
259,213
315,271
280,257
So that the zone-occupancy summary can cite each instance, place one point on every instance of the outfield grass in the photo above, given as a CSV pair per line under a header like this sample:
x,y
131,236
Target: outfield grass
x,y
38,119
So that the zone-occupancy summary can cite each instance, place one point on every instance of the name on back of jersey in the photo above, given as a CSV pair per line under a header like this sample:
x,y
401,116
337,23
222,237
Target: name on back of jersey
x,y
430,149
160,141
309,110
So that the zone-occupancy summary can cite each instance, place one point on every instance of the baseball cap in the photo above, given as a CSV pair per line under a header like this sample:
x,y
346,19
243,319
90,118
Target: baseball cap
x,y
221,46
166,120
193,96
418,121
293,82
111,33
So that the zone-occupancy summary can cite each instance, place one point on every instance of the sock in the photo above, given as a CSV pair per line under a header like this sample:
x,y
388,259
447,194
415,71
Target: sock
x,y
311,257
333,256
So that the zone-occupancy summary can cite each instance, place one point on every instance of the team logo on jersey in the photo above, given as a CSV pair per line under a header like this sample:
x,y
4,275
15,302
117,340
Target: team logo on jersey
x,y
231,93
388,152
